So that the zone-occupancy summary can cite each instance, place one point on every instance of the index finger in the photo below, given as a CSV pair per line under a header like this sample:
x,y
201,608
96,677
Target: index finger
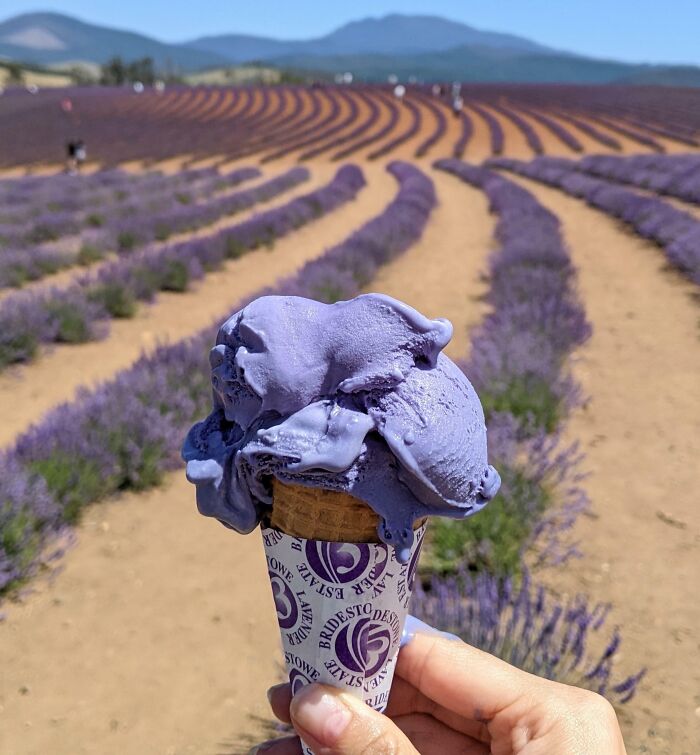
x,y
461,678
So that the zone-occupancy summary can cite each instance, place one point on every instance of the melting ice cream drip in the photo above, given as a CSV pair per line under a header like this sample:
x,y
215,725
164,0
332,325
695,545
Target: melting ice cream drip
x,y
352,396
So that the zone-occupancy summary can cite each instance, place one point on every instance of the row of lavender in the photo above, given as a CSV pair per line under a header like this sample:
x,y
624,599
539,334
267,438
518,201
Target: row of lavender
x,y
677,232
123,436
80,312
674,175
275,120
58,207
33,194
124,226
518,364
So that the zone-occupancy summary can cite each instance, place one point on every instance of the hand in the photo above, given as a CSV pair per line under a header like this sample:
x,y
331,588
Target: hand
x,y
448,697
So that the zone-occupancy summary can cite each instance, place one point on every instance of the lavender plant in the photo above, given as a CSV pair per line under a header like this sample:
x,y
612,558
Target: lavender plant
x,y
518,366
117,287
528,629
676,231
127,432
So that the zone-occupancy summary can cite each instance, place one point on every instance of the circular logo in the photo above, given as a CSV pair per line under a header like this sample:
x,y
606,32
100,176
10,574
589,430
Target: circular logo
x,y
285,601
297,680
337,563
363,646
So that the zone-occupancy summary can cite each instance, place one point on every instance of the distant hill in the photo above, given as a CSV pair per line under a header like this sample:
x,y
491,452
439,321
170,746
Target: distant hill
x,y
427,47
469,63
394,34
47,38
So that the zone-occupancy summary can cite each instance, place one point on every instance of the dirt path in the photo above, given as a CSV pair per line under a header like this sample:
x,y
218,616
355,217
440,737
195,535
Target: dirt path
x,y
159,636
439,276
641,436
65,277
89,661
26,393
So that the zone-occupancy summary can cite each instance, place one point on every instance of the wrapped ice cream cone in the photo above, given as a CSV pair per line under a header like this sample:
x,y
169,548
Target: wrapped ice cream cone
x,y
373,429
340,594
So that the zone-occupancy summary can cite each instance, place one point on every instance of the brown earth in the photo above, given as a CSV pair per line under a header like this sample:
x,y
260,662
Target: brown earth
x,y
641,435
138,645
27,392
130,647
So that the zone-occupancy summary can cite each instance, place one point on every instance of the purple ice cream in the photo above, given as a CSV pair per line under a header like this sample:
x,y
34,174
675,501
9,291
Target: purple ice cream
x,y
355,396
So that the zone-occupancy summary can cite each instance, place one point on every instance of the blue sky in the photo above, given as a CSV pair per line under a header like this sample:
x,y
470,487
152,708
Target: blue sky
x,y
632,30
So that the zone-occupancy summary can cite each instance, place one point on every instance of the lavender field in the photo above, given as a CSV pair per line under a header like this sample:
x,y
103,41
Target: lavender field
x,y
558,226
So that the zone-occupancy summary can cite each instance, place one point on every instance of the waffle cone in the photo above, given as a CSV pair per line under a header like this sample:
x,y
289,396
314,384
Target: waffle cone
x,y
318,514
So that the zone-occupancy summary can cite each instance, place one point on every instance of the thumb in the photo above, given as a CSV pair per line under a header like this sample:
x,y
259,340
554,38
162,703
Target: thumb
x,y
333,722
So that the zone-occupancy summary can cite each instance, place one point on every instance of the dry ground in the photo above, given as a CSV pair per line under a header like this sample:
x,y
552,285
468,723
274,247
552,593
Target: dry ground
x,y
157,636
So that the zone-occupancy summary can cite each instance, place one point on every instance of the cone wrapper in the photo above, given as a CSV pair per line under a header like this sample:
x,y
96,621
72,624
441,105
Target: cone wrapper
x,y
341,609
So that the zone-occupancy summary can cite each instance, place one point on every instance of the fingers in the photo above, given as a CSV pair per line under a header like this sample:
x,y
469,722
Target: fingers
x,y
405,700
283,746
333,722
429,736
280,696
461,678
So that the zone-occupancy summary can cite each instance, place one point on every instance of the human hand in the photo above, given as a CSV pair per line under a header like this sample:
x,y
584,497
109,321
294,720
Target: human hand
x,y
448,697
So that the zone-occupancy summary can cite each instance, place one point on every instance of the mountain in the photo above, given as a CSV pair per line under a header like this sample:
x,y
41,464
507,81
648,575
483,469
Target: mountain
x,y
469,63
47,38
427,47
394,34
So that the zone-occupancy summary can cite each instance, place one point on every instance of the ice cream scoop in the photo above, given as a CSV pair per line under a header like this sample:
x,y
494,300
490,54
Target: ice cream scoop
x,y
355,397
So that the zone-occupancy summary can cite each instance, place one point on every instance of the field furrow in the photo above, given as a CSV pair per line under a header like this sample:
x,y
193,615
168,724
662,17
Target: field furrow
x,y
441,274
27,393
640,431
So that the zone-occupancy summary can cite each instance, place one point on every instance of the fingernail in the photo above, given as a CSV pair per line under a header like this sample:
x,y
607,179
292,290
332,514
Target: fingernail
x,y
414,626
322,715
262,747
272,690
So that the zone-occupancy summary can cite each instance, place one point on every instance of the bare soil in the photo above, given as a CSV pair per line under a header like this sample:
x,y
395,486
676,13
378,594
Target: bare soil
x,y
640,431
26,393
158,633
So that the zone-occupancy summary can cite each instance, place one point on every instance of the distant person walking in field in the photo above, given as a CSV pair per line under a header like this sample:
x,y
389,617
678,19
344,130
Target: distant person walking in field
x,y
76,156
457,105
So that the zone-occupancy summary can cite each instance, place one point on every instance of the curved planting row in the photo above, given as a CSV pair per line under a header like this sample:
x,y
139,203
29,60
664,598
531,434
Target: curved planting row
x,y
518,364
405,135
586,128
465,135
675,175
124,225
67,192
127,234
360,128
526,129
119,125
124,436
326,127
80,313
675,231
439,130
388,127
554,127
495,129
636,136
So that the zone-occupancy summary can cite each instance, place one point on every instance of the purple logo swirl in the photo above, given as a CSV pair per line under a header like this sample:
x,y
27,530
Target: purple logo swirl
x,y
298,680
285,601
413,566
363,646
338,563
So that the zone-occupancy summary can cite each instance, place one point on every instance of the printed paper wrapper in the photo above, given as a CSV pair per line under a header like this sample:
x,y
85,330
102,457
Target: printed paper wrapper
x,y
341,609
